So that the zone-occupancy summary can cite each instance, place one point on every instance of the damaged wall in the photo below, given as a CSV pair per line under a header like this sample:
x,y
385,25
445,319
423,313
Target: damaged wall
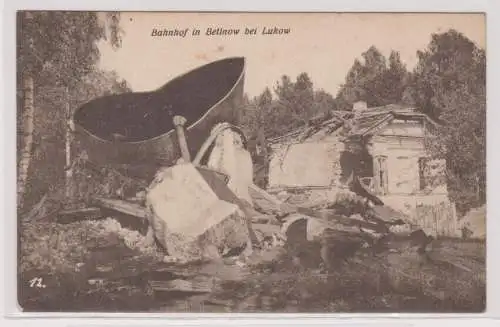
x,y
435,214
305,164
416,185
408,169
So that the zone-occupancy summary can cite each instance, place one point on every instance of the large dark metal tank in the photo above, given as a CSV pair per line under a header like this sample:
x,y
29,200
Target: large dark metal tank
x,y
136,129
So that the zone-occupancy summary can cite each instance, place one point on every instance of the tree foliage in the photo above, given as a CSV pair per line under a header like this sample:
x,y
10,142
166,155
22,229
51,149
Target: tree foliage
x,y
324,102
377,81
450,61
67,41
395,80
449,84
59,51
291,105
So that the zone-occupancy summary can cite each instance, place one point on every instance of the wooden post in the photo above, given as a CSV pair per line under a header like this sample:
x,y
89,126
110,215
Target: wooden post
x,y
69,133
179,123
376,175
385,175
261,141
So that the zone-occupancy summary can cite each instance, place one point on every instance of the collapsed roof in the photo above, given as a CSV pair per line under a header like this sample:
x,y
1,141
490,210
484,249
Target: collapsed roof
x,y
351,124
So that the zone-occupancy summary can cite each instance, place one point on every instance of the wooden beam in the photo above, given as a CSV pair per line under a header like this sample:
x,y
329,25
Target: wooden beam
x,y
279,188
268,202
71,216
124,207
329,216
180,285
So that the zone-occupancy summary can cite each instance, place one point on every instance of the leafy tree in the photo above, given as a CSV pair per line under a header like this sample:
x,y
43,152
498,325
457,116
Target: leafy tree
x,y
67,41
293,104
247,116
50,119
304,97
254,113
450,86
395,80
284,90
375,81
55,50
352,90
450,59
295,101
374,73
265,102
324,102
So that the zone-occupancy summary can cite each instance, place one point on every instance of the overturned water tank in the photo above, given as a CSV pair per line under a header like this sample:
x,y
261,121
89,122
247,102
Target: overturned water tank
x,y
137,128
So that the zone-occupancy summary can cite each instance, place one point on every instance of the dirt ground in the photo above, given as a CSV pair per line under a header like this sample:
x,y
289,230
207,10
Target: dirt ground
x,y
107,269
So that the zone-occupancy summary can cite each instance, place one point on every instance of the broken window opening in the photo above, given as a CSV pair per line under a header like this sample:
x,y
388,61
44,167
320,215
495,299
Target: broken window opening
x,y
356,164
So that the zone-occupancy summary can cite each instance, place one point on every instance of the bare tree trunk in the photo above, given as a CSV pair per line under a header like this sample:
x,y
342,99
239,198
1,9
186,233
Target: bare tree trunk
x,y
477,188
262,143
24,162
69,134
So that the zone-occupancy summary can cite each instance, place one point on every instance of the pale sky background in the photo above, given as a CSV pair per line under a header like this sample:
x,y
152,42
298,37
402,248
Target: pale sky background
x,y
322,44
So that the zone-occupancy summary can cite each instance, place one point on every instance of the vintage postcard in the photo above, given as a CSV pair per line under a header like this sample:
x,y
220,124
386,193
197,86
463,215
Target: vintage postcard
x,y
251,162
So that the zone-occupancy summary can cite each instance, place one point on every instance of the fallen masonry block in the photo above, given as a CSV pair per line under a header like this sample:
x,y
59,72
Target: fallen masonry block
x,y
189,219
229,156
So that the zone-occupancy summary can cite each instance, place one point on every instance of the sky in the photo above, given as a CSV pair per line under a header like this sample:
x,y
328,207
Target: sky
x,y
324,45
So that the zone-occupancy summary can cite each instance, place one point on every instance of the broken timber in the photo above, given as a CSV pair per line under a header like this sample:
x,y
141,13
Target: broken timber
x,y
268,203
181,285
120,206
36,210
129,215
333,218
71,216
362,190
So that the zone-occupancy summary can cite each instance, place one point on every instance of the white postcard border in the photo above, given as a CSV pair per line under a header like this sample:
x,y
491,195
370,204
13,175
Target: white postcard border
x,y
8,146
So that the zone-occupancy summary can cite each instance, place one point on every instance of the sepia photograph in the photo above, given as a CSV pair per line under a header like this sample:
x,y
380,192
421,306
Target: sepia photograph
x,y
224,162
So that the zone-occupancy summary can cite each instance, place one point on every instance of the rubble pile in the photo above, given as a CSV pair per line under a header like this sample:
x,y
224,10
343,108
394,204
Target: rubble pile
x,y
210,209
